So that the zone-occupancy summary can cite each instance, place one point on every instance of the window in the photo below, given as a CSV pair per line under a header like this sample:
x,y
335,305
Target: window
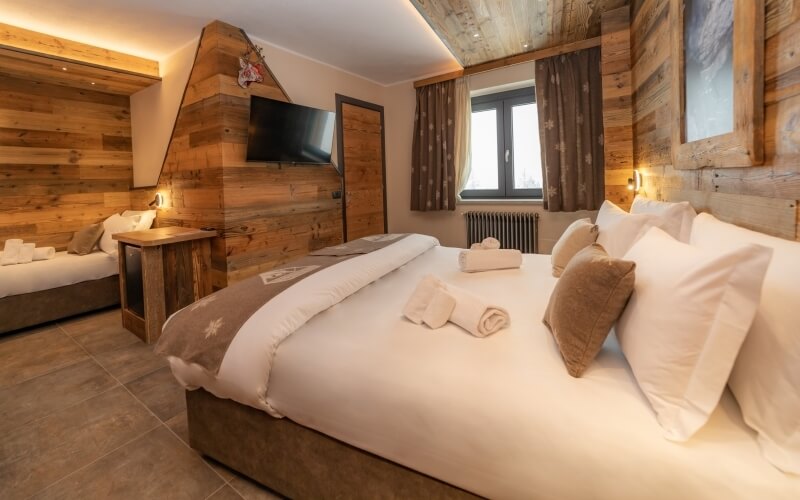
x,y
506,161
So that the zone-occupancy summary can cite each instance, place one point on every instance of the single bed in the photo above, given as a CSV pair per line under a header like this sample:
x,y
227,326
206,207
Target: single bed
x,y
63,286
411,412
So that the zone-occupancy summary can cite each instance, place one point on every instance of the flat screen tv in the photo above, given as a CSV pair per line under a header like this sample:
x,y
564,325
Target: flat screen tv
x,y
288,133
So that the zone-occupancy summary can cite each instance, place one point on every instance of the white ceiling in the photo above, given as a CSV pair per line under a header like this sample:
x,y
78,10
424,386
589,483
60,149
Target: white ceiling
x,y
383,40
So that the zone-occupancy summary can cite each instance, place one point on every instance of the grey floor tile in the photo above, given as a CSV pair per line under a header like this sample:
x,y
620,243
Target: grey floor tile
x,y
45,394
225,493
29,355
250,490
131,362
160,392
156,465
180,426
46,450
101,333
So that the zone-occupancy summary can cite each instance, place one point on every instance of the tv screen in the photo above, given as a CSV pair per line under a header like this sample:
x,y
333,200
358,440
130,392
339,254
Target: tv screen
x,y
288,133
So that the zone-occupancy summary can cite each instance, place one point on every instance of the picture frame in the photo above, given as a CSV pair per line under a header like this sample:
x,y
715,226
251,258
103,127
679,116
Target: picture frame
x,y
743,145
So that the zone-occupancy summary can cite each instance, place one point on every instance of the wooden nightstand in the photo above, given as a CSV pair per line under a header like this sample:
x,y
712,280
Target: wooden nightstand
x,y
161,271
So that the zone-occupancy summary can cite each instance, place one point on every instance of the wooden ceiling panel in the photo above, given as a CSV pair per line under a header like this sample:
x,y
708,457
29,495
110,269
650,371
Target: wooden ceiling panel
x,y
477,31
43,58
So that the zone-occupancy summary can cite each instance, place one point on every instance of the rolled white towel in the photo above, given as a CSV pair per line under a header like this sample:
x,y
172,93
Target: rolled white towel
x,y
11,251
439,309
471,261
44,253
26,253
487,244
476,316
418,303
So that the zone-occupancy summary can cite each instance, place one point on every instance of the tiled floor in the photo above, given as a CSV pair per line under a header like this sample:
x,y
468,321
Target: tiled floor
x,y
88,411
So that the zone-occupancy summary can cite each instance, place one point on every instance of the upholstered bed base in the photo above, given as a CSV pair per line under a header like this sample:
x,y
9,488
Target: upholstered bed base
x,y
29,309
296,461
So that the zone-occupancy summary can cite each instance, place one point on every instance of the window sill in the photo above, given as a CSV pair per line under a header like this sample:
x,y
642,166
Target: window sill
x,y
500,201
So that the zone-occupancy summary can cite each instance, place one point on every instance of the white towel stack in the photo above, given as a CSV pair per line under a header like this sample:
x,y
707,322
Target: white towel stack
x,y
435,303
15,251
487,256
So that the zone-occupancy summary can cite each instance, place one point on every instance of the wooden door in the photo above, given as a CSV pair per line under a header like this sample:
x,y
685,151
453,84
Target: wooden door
x,y
362,160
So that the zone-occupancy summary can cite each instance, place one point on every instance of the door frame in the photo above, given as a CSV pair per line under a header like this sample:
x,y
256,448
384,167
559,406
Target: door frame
x,y
343,99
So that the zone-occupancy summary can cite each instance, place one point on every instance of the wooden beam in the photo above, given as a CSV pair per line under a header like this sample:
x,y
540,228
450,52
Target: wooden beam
x,y
12,37
512,60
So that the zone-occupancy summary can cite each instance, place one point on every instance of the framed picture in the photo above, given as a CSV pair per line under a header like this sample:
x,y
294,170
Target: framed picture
x,y
717,83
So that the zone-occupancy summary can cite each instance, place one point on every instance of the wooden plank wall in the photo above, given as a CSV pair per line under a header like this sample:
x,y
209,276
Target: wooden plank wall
x,y
266,214
615,66
779,177
65,159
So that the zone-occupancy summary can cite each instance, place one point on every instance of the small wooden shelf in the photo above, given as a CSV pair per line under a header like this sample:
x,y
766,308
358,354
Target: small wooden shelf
x,y
161,271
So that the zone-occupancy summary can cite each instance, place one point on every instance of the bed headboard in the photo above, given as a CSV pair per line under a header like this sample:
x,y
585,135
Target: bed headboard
x,y
773,216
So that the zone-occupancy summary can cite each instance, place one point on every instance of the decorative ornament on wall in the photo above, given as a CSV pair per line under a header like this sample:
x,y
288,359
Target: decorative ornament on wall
x,y
250,72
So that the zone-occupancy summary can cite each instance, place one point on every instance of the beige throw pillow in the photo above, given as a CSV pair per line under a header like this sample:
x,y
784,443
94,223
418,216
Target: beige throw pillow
x,y
586,302
84,240
579,235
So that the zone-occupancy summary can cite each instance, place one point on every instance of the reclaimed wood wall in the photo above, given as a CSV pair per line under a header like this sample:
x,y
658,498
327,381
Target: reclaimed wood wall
x,y
615,66
779,176
65,159
266,214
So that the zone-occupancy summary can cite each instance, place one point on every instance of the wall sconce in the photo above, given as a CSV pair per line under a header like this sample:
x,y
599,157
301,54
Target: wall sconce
x,y
157,201
635,182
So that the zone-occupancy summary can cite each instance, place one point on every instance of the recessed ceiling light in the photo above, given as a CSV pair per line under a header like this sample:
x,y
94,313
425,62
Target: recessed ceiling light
x,y
476,35
92,83
63,69
525,45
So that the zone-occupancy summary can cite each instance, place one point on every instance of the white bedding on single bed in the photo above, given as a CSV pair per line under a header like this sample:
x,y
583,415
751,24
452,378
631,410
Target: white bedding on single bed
x,y
500,416
62,270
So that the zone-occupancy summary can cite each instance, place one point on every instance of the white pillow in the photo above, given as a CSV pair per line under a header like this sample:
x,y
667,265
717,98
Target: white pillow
x,y
684,324
619,230
579,235
146,218
766,376
678,217
113,225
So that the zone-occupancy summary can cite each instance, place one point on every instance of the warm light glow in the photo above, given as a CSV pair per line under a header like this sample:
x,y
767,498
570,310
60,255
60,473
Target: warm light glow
x,y
476,35
158,201
635,182
63,69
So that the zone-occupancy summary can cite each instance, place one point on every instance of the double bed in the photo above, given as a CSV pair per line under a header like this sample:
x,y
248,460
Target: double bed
x,y
376,406
47,290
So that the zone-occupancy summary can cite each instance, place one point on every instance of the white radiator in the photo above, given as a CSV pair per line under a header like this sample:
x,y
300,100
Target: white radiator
x,y
518,230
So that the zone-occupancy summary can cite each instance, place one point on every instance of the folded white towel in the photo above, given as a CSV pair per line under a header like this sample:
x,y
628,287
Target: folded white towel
x,y
476,316
439,309
44,253
487,244
471,261
26,253
415,308
11,251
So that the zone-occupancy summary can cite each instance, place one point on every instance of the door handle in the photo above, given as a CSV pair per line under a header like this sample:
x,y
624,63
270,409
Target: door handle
x,y
508,152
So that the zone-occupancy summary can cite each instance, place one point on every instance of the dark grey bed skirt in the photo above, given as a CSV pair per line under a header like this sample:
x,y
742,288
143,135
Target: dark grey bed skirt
x,y
296,461
29,309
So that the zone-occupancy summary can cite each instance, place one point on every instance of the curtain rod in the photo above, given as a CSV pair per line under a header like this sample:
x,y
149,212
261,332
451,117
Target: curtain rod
x,y
511,61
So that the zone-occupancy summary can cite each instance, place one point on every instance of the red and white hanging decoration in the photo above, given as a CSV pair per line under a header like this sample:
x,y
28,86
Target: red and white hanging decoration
x,y
249,72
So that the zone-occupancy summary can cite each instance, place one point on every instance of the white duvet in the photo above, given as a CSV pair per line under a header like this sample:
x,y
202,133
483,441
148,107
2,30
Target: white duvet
x,y
62,270
497,416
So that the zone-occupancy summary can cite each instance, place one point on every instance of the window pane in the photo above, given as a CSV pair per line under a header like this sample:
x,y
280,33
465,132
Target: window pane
x,y
484,150
527,157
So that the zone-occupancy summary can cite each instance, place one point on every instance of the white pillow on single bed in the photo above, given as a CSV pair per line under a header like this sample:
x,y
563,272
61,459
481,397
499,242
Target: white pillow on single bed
x,y
766,377
677,217
146,218
683,326
113,225
618,230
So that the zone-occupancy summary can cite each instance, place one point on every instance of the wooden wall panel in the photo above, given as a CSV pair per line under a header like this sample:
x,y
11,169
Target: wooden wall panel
x,y
779,177
615,66
65,160
266,214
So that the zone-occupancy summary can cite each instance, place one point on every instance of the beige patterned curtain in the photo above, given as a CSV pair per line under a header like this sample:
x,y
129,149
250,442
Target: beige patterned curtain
x,y
569,96
433,169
